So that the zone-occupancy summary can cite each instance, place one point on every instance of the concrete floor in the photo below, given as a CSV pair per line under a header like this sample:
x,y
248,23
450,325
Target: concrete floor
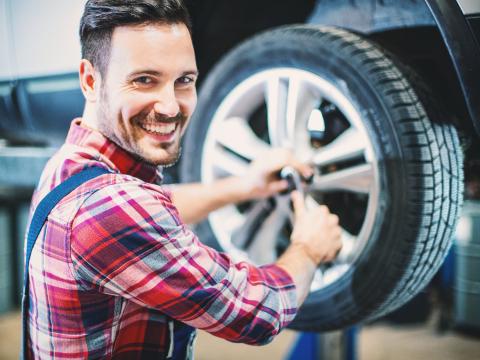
x,y
376,342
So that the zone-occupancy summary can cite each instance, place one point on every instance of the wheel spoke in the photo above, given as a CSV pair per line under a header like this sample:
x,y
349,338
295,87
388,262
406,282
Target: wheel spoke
x,y
262,249
292,106
252,221
305,108
289,104
357,179
226,163
276,97
348,247
236,135
348,145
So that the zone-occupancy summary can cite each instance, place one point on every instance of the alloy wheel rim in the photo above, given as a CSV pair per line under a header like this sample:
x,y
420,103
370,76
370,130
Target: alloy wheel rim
x,y
297,107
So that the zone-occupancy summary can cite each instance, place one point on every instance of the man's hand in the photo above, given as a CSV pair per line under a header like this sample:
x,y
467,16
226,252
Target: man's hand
x,y
315,239
316,230
262,180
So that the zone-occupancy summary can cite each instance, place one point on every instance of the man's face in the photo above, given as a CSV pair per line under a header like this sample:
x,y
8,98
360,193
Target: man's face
x,y
148,94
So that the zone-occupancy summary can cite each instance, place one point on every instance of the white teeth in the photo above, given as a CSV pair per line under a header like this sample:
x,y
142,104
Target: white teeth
x,y
160,128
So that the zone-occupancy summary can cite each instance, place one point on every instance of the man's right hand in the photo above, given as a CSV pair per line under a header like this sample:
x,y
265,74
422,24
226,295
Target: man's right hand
x,y
316,230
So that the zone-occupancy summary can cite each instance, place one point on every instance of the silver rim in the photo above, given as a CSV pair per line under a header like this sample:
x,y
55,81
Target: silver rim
x,y
297,111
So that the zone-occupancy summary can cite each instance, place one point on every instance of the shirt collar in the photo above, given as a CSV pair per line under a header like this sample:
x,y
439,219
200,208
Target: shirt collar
x,y
111,154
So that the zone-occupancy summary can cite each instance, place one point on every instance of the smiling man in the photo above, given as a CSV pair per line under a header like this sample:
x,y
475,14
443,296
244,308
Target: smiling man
x,y
115,272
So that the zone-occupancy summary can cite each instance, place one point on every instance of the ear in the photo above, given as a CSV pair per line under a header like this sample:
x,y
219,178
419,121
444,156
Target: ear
x,y
89,80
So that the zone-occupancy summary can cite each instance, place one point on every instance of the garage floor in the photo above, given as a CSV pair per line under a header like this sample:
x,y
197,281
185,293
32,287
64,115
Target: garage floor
x,y
376,342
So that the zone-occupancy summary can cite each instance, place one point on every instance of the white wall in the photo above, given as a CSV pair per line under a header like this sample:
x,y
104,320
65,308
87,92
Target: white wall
x,y
45,35
6,49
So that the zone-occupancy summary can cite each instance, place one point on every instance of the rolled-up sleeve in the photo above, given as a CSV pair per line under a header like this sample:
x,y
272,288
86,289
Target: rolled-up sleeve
x,y
127,240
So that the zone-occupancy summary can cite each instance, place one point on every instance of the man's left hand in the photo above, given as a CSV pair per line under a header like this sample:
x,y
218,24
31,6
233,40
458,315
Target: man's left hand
x,y
262,180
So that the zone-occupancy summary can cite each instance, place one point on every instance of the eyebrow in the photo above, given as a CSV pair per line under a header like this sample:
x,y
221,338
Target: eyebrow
x,y
157,73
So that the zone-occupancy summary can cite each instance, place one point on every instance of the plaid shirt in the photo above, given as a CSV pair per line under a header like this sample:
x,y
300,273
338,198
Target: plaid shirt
x,y
114,262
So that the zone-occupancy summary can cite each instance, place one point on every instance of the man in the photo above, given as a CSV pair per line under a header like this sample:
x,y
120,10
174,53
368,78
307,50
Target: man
x,y
115,273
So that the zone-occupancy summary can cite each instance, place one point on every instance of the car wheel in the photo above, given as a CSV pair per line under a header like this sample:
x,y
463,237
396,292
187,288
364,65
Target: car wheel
x,y
389,165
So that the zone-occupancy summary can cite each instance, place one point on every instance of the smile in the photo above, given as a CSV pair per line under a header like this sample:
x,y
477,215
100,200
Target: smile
x,y
159,128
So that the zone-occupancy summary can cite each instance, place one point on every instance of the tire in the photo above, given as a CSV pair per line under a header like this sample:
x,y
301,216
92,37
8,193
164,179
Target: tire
x,y
415,183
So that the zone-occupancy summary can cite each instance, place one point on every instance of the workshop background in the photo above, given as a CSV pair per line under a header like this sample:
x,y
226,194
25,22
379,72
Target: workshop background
x,y
39,95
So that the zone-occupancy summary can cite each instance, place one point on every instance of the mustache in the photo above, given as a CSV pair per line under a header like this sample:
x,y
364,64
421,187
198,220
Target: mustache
x,y
148,117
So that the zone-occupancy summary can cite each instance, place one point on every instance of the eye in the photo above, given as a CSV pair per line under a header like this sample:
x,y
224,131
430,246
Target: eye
x,y
185,80
143,80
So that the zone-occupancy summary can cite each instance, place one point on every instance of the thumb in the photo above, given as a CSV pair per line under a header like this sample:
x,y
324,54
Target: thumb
x,y
298,204
277,186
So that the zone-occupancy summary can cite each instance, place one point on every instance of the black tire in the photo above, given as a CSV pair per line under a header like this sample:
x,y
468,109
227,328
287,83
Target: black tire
x,y
419,155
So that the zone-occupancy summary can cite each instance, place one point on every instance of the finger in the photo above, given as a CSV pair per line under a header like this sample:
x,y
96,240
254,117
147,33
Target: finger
x,y
323,209
298,204
333,219
304,169
277,186
284,157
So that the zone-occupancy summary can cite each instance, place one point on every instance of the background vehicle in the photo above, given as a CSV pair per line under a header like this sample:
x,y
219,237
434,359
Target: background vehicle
x,y
372,93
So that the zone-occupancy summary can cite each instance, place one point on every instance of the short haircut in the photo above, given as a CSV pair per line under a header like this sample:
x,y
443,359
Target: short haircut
x,y
101,17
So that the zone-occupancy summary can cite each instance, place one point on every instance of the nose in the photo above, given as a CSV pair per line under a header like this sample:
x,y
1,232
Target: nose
x,y
166,103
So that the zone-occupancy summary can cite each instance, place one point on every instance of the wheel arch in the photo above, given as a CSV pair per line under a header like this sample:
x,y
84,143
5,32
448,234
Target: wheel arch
x,y
437,25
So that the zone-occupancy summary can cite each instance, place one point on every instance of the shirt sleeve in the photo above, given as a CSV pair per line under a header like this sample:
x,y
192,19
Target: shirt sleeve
x,y
127,240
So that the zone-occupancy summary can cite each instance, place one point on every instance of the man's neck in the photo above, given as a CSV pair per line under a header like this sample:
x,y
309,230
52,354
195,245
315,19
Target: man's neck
x,y
89,117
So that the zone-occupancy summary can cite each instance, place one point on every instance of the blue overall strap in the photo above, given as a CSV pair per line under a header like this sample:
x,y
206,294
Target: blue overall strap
x,y
38,220
181,346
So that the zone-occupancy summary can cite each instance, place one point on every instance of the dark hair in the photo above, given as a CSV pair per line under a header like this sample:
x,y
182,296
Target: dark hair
x,y
101,17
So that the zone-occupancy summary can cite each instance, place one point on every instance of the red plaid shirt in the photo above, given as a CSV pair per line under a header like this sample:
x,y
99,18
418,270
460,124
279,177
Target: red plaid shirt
x,y
114,262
